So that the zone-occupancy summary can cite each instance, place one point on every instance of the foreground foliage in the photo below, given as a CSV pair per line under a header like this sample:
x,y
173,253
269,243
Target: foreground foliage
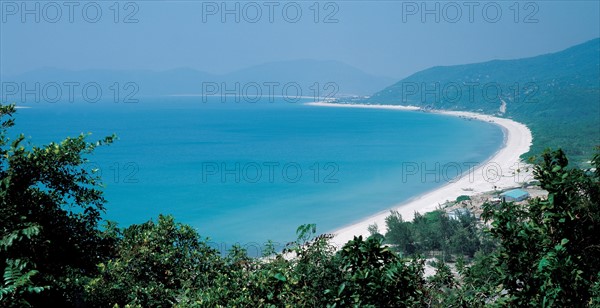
x,y
550,249
50,207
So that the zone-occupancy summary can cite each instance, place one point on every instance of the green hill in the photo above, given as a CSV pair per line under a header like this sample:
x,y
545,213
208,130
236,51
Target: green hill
x,y
557,95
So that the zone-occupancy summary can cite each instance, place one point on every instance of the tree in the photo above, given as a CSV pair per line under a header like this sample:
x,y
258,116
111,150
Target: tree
x,y
465,238
399,233
48,189
155,264
441,285
374,276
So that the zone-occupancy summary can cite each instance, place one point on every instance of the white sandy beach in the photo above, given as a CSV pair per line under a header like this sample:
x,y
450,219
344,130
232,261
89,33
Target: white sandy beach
x,y
499,172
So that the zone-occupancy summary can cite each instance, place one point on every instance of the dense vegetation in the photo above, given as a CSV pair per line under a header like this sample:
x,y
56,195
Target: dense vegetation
x,y
555,95
52,249
435,234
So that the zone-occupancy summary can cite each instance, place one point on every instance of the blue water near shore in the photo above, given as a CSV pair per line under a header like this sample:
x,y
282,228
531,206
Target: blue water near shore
x,y
248,172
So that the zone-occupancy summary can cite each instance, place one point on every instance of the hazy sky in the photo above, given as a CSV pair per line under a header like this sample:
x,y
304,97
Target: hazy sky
x,y
388,38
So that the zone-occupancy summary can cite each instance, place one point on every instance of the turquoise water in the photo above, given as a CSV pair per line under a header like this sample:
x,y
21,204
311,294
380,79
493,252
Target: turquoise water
x,y
171,154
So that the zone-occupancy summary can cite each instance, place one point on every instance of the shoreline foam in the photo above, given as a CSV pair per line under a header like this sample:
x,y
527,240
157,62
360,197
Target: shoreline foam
x,y
517,141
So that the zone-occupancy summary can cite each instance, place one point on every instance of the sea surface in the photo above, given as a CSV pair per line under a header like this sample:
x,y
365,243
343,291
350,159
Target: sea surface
x,y
249,172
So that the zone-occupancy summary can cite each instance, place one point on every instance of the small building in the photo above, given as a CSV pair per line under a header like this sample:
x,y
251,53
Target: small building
x,y
456,213
514,195
495,200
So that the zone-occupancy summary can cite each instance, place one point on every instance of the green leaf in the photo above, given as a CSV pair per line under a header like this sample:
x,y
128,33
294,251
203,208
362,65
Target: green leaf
x,y
341,288
543,263
280,277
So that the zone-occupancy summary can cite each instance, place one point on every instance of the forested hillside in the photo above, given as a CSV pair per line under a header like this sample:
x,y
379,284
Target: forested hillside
x,y
557,95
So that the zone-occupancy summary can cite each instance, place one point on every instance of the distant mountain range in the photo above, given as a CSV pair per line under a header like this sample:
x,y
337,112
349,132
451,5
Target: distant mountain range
x,y
314,77
557,95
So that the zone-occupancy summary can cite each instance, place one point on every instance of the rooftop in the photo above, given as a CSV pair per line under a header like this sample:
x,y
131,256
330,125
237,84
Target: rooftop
x,y
515,193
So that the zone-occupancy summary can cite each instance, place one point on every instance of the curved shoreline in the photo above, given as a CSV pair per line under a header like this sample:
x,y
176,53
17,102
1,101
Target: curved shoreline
x,y
498,172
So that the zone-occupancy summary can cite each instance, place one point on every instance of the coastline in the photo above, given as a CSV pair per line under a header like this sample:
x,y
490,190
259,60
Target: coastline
x,y
498,172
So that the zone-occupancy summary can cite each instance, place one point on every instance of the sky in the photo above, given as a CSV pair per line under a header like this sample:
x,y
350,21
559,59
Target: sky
x,y
384,38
